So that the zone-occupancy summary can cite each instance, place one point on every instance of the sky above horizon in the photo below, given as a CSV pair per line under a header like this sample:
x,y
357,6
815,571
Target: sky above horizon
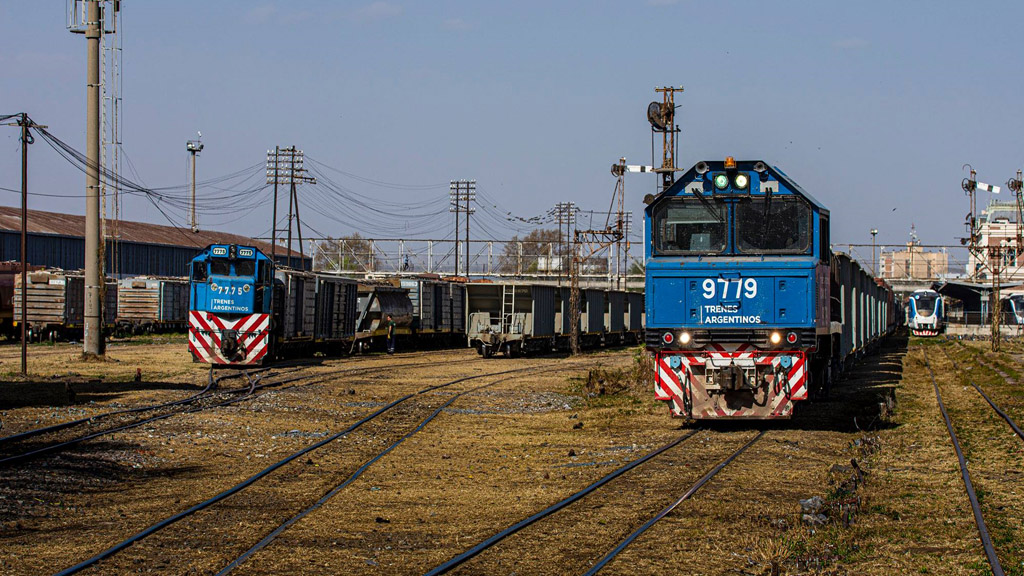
x,y
873,107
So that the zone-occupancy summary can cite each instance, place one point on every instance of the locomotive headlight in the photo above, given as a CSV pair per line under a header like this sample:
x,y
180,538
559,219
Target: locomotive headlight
x,y
741,181
775,338
721,181
684,338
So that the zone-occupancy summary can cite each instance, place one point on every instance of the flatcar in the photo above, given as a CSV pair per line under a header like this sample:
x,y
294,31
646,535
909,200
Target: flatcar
x,y
55,303
748,310
151,304
926,314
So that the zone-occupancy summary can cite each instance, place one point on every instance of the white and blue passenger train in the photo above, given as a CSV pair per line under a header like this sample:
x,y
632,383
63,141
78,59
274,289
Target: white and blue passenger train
x,y
926,314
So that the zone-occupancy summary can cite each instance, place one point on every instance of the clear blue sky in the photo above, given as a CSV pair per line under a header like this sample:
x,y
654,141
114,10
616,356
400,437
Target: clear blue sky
x,y
872,106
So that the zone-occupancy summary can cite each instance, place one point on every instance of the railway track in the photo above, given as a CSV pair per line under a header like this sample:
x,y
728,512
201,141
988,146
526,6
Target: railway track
x,y
208,398
488,543
979,520
1002,413
253,479
238,561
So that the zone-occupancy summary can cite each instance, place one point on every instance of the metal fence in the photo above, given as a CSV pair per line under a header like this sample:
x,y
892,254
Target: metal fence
x,y
491,258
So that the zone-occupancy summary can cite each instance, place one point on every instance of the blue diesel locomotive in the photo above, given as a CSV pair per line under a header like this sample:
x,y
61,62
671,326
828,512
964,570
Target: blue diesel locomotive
x,y
745,304
231,296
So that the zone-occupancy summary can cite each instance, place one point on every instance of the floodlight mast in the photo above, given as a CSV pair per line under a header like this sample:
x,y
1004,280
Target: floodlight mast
x,y
194,147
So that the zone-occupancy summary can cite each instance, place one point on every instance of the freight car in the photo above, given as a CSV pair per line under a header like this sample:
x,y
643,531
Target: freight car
x,y
428,312
748,309
926,313
56,304
8,270
243,310
150,304
518,318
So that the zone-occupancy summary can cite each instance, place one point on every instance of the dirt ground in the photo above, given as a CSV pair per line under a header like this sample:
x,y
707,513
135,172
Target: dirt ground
x,y
876,452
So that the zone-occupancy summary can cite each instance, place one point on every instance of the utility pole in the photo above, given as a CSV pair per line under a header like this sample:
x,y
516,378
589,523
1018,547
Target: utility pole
x,y
26,139
470,194
461,192
194,147
24,122
285,166
455,206
272,168
93,344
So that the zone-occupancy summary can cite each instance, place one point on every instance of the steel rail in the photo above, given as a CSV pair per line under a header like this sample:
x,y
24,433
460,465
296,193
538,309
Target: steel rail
x,y
57,446
693,490
261,474
248,393
979,521
457,560
331,493
1003,414
211,384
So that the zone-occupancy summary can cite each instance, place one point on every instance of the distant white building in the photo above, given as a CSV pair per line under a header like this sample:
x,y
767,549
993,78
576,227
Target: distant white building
x,y
997,227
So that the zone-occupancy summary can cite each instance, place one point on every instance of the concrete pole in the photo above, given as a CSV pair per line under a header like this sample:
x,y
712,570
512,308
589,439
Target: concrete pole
x,y
93,334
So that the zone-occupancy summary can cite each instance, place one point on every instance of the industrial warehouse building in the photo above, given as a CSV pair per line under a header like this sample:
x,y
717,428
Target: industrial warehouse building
x,y
58,241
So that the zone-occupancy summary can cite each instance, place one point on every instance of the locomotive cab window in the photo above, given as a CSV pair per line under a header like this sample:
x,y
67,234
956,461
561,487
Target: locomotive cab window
x,y
688,226
199,271
220,267
245,268
265,273
773,225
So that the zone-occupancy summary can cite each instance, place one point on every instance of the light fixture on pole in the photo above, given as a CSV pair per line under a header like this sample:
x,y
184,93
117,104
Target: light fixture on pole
x,y
874,263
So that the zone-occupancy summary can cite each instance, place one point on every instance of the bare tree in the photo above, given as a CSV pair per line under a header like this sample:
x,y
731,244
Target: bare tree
x,y
350,253
537,246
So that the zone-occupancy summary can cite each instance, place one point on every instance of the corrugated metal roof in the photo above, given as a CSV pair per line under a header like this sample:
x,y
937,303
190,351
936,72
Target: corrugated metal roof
x,y
40,222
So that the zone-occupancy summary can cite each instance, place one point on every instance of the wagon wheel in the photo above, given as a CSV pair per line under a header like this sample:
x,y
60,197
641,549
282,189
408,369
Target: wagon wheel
x,y
486,351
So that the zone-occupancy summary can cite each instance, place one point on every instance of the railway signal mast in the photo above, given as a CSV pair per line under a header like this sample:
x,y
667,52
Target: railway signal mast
x,y
586,243
990,255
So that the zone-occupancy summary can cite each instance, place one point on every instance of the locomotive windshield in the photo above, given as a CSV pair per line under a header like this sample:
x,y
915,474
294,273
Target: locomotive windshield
x,y
773,225
689,226
245,267
926,304
220,267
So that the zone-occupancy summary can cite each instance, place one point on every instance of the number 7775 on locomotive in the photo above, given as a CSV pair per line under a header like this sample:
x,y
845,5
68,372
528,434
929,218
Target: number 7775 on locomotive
x,y
742,292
